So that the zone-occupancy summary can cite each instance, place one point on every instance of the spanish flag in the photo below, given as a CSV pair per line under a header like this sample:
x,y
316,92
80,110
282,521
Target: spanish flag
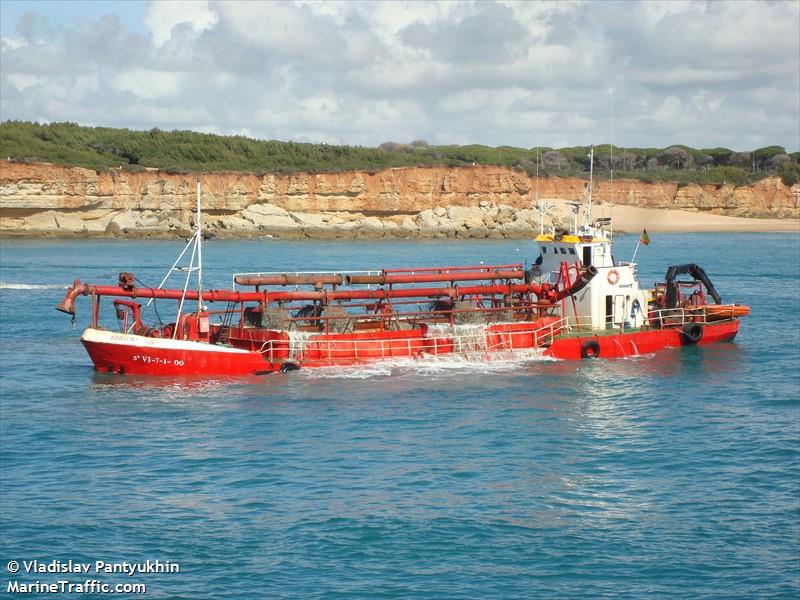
x,y
645,239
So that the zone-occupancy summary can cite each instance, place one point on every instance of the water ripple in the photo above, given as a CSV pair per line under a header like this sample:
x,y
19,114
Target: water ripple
x,y
663,475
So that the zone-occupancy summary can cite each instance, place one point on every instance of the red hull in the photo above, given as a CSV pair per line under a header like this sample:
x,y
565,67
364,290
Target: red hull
x,y
637,342
132,354
147,356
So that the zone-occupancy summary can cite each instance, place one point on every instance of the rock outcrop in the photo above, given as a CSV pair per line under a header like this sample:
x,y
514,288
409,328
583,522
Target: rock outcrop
x,y
433,202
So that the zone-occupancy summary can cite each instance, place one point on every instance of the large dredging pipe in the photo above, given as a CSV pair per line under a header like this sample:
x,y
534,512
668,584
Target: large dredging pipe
x,y
384,279
584,277
289,279
544,292
67,305
326,297
481,267
81,289
381,279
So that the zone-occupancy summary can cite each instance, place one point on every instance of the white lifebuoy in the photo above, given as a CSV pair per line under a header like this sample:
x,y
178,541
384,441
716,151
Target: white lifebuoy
x,y
613,277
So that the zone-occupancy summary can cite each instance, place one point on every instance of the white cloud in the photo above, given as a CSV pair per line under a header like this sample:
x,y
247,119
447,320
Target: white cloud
x,y
22,81
504,72
10,43
163,15
147,84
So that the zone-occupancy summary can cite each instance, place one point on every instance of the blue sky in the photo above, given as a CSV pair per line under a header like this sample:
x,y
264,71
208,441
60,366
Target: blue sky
x,y
496,72
64,12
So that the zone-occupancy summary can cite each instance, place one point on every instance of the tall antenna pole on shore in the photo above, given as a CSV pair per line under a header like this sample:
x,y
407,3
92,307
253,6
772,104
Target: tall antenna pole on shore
x,y
611,181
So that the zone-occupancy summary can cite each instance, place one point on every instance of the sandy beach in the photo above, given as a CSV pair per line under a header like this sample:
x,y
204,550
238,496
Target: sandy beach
x,y
629,218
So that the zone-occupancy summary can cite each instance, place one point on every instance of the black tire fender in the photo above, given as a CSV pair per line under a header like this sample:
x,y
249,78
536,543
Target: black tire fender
x,y
590,349
692,333
288,367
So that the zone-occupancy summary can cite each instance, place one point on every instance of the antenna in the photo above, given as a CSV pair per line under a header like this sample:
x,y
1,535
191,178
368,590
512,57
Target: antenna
x,y
611,182
543,208
576,208
611,216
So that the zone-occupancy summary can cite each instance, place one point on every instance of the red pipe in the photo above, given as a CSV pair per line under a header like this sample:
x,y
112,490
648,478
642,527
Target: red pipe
x,y
581,282
288,279
543,292
433,277
516,266
82,289
437,292
68,303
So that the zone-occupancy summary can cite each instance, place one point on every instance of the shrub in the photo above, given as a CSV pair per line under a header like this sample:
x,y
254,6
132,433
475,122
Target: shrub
x,y
187,152
790,173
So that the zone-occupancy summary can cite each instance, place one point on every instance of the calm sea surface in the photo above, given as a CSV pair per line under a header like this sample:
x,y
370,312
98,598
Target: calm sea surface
x,y
669,475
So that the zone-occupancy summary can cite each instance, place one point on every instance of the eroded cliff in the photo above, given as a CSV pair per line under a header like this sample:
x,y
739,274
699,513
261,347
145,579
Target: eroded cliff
x,y
479,201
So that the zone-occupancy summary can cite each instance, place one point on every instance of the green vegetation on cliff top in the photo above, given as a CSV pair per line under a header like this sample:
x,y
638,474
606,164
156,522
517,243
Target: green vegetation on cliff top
x,y
101,148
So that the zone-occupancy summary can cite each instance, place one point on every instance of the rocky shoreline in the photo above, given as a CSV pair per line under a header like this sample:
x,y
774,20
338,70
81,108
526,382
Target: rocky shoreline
x,y
269,220
454,222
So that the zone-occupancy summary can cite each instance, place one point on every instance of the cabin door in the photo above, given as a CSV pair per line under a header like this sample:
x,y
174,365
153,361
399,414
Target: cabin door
x,y
619,309
615,310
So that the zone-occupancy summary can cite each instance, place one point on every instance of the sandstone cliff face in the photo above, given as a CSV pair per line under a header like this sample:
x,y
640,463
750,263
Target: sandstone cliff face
x,y
474,201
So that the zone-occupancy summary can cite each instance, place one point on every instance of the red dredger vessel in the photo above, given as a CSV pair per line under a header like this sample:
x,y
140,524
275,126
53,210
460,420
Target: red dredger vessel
x,y
576,302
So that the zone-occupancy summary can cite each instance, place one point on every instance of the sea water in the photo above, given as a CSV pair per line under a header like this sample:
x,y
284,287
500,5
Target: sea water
x,y
676,474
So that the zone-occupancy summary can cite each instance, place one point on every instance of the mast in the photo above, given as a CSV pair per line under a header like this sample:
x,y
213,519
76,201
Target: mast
x,y
588,219
199,242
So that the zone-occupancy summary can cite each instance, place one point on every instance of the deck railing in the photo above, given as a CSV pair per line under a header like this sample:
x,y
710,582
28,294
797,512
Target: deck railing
x,y
463,339
666,317
471,343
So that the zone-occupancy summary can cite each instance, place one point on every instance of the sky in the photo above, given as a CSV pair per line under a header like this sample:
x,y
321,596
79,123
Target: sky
x,y
493,72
